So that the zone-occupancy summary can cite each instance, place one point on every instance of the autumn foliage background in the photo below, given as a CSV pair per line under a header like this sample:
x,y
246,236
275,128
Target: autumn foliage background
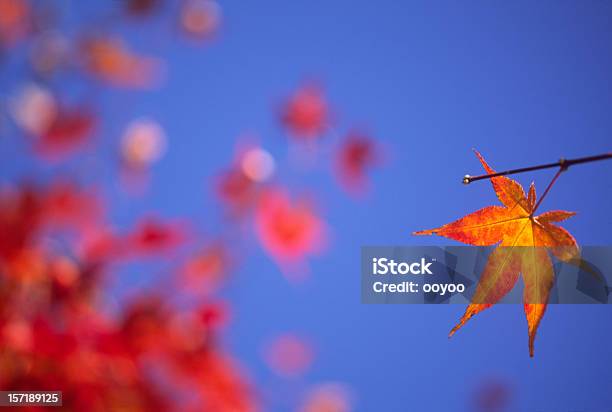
x,y
185,187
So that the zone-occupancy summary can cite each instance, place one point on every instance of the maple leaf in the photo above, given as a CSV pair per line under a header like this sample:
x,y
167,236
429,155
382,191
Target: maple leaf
x,y
524,242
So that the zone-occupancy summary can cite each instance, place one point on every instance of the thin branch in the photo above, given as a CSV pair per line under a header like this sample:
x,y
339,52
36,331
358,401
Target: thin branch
x,y
563,164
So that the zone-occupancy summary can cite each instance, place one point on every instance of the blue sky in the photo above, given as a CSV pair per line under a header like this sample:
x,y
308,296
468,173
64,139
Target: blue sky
x,y
522,82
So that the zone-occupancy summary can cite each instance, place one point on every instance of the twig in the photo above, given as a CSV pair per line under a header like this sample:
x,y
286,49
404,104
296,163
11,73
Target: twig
x,y
563,164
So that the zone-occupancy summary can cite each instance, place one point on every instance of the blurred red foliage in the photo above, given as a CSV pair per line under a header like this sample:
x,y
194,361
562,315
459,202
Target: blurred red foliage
x,y
289,355
306,113
289,231
60,325
111,61
330,397
239,187
140,8
152,236
14,21
357,154
69,130
236,191
142,144
57,335
207,269
492,396
66,204
200,19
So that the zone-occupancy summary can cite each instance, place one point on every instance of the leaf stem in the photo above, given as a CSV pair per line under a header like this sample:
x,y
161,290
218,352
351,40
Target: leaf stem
x,y
550,185
563,164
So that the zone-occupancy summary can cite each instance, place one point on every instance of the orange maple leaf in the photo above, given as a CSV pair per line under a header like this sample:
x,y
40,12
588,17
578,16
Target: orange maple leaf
x,y
524,242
